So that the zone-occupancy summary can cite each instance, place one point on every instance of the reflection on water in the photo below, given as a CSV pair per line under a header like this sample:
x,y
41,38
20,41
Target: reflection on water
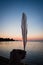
x,y
34,50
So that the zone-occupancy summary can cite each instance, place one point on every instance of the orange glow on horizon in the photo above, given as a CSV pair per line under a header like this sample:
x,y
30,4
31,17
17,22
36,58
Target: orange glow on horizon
x,y
30,37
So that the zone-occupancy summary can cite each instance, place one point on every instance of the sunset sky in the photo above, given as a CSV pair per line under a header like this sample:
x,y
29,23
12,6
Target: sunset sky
x,y
11,15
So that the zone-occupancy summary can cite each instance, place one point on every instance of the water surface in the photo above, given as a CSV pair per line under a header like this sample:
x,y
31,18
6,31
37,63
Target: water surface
x,y
34,51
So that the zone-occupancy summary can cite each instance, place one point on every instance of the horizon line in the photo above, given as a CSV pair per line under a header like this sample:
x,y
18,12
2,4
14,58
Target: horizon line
x,y
21,39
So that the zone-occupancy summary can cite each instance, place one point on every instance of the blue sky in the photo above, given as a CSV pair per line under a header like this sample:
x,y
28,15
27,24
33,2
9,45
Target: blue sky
x,y
11,15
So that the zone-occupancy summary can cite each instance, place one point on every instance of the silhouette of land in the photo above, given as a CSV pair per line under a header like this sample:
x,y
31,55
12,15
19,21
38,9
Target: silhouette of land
x,y
7,39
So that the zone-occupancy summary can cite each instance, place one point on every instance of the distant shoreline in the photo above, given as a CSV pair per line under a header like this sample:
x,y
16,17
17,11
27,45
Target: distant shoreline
x,y
8,39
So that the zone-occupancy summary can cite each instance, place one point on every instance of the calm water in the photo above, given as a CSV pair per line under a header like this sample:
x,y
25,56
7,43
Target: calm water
x,y
34,51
